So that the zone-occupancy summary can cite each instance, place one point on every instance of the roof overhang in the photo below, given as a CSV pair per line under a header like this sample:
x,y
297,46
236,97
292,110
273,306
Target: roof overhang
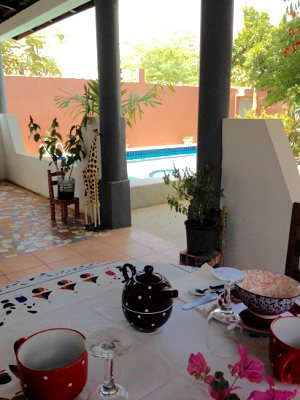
x,y
38,15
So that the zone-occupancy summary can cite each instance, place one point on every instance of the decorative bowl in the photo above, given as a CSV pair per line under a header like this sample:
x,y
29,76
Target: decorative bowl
x,y
267,293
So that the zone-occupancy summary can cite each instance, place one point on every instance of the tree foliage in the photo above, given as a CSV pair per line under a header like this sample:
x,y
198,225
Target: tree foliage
x,y
175,62
26,57
261,59
250,48
282,80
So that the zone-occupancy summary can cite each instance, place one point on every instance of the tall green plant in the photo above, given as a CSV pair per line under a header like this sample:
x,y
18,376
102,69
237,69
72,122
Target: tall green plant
x,y
87,105
196,193
52,145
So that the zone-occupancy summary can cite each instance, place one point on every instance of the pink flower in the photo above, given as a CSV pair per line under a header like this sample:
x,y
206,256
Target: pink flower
x,y
272,393
197,366
250,369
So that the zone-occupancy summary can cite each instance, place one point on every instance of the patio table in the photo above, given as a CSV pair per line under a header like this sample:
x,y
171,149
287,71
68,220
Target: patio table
x,y
87,298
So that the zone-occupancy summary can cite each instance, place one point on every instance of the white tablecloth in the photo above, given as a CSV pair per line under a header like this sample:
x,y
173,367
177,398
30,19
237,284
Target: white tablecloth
x,y
87,298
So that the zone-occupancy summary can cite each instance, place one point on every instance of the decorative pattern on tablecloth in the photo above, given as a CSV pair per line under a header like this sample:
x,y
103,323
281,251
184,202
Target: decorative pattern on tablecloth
x,y
31,296
28,298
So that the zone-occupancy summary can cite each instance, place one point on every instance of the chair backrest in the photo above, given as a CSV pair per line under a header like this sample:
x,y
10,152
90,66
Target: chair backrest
x,y
52,182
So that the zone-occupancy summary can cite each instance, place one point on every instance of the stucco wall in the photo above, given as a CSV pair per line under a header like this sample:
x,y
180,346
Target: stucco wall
x,y
166,124
261,182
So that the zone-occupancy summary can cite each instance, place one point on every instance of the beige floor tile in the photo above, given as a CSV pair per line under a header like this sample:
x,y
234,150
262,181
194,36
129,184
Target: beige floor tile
x,y
158,257
3,281
25,273
130,232
170,251
114,239
91,245
107,256
68,262
19,263
162,222
55,254
134,249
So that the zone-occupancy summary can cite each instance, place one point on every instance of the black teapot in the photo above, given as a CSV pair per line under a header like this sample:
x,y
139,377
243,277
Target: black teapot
x,y
147,298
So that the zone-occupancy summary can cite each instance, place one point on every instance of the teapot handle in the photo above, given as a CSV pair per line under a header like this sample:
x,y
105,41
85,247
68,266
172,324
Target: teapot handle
x,y
125,273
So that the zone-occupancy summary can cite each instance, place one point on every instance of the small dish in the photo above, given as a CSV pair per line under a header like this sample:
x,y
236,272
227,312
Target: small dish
x,y
228,274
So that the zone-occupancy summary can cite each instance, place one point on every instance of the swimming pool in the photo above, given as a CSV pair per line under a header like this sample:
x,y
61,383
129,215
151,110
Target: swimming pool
x,y
153,162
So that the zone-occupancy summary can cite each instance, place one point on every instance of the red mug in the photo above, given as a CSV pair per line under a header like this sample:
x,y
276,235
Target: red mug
x,y
284,349
52,364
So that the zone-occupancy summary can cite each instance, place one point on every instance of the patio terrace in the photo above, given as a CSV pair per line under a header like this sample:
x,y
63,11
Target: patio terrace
x,y
260,204
30,243
252,159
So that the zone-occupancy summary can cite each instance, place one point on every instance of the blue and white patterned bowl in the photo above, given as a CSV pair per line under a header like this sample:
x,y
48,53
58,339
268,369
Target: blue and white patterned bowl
x,y
267,293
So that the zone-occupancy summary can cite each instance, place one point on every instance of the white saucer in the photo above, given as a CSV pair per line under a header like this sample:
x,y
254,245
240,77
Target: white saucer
x,y
228,274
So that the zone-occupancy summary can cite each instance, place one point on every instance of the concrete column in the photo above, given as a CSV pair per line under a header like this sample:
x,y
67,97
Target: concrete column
x,y
214,86
114,185
3,106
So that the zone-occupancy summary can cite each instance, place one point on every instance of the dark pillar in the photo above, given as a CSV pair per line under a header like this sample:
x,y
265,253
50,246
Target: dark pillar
x,y
114,185
214,86
3,107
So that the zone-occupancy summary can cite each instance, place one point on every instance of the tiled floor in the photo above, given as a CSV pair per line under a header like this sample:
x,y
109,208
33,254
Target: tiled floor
x,y
26,226
30,243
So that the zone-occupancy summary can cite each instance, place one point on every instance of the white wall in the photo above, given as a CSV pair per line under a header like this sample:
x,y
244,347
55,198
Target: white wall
x,y
31,173
261,182
27,170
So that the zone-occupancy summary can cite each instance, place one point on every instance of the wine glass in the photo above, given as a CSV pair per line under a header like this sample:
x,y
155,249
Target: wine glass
x,y
108,343
225,312
223,339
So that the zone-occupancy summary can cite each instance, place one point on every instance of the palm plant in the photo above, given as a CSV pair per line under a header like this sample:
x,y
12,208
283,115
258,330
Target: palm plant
x,y
88,106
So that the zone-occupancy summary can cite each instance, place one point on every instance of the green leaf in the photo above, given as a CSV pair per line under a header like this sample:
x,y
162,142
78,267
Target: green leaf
x,y
233,396
219,374
36,137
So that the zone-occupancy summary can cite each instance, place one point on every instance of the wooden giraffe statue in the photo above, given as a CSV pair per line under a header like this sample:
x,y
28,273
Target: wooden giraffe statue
x,y
91,184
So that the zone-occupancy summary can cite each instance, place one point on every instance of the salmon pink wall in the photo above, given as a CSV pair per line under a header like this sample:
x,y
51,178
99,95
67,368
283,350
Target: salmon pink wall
x,y
35,96
164,125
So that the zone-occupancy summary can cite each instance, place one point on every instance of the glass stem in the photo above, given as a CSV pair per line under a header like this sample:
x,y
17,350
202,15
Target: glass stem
x,y
227,300
109,386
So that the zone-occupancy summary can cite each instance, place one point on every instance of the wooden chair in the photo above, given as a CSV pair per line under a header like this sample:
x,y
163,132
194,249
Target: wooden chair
x,y
62,203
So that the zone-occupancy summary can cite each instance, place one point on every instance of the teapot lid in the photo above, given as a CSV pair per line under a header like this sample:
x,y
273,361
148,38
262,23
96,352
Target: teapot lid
x,y
148,276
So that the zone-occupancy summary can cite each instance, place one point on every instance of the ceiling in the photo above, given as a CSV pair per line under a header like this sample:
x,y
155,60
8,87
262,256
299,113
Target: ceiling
x,y
12,11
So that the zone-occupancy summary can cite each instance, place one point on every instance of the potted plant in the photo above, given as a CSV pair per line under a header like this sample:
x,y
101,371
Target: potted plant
x,y
63,155
87,105
197,196
188,139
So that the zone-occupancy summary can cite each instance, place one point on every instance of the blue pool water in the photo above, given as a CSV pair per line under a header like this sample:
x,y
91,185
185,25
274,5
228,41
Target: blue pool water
x,y
160,152
155,162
